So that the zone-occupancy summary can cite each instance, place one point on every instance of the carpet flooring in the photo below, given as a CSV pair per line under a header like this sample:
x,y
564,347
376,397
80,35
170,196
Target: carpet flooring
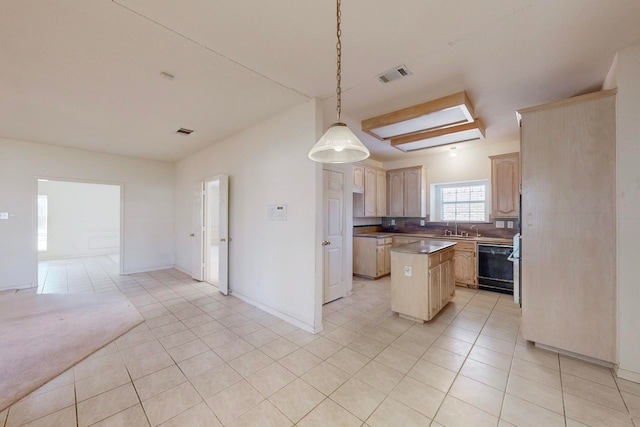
x,y
41,336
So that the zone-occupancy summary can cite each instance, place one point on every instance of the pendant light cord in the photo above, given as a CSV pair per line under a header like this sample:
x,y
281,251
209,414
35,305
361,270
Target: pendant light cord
x,y
339,61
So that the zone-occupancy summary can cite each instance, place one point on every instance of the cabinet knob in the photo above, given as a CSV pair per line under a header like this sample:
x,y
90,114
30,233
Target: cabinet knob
x,y
192,235
223,240
326,242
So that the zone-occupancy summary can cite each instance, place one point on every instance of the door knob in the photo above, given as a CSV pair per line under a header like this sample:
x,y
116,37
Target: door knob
x,y
326,242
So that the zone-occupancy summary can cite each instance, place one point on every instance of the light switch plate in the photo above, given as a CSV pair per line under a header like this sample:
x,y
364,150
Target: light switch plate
x,y
422,223
393,222
499,224
4,215
509,224
407,270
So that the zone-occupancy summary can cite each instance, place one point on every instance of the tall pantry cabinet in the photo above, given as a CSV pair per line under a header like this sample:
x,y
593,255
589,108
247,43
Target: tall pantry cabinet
x,y
568,225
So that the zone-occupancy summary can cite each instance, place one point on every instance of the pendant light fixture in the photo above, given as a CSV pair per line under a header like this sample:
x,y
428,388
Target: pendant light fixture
x,y
339,144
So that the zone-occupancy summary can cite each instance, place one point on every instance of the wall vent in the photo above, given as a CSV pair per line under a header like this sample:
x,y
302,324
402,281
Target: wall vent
x,y
394,74
183,131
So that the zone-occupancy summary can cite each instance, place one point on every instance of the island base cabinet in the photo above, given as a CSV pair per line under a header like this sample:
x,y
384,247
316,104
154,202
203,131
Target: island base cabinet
x,y
421,285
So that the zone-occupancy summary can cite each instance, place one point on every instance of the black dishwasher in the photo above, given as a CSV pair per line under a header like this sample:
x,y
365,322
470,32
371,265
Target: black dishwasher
x,y
495,270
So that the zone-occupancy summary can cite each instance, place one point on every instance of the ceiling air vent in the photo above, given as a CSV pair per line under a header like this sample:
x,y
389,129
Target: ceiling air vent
x,y
183,131
394,74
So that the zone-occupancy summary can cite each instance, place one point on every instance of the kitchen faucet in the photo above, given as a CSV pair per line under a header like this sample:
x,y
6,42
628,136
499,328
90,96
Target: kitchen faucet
x,y
477,230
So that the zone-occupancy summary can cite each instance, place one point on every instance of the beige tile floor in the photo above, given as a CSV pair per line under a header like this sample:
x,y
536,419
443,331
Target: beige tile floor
x,y
202,359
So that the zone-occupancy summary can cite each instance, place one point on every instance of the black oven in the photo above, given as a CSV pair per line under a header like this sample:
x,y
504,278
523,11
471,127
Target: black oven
x,y
495,270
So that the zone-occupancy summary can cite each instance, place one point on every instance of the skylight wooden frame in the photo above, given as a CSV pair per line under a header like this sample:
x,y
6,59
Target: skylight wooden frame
x,y
439,137
458,100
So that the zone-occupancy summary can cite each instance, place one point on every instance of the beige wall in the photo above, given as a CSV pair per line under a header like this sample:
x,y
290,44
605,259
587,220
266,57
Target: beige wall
x,y
147,200
471,163
276,265
628,210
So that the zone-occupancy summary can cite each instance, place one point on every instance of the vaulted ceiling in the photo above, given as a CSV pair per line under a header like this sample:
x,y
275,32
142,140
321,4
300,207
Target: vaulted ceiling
x,y
87,73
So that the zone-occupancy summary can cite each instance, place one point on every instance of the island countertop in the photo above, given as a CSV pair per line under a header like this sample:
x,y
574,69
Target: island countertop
x,y
424,246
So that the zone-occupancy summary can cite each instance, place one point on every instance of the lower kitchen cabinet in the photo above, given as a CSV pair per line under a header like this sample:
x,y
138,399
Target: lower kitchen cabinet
x,y
371,257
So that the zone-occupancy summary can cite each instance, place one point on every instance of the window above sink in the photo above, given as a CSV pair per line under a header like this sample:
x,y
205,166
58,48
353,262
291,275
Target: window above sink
x,y
463,201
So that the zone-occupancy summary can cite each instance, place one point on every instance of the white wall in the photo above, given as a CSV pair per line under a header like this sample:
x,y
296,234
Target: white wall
x,y
83,219
471,163
273,264
628,209
148,205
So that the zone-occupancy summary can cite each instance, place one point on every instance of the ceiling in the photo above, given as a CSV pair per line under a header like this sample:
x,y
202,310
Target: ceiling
x,y
86,74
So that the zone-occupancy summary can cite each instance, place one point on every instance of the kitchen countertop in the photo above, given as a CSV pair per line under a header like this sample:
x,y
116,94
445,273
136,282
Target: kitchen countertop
x,y
377,235
424,246
481,239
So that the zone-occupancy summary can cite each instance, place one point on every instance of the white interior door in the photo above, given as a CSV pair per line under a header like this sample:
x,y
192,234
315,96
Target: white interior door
x,y
215,212
333,227
197,236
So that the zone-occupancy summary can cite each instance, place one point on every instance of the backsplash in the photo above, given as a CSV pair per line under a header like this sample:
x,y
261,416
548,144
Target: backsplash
x,y
412,225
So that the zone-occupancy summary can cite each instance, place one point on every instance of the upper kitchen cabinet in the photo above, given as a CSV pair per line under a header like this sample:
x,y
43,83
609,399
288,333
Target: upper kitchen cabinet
x,y
407,192
358,178
505,185
381,193
568,227
370,197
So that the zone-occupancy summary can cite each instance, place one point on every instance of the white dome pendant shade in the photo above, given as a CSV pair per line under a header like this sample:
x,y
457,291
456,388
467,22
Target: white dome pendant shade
x,y
338,145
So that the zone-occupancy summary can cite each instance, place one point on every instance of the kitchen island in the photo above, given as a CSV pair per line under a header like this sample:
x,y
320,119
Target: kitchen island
x,y
422,278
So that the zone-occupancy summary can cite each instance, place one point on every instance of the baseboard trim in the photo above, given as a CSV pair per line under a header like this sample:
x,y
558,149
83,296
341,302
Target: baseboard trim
x,y
576,355
147,270
278,314
182,270
627,375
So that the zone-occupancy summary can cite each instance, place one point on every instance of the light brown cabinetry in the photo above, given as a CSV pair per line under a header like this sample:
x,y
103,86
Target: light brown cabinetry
x,y
370,196
505,185
406,192
568,225
381,193
465,264
371,256
421,285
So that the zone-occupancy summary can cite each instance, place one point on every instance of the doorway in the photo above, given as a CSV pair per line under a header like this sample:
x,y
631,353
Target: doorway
x,y
211,250
78,224
333,235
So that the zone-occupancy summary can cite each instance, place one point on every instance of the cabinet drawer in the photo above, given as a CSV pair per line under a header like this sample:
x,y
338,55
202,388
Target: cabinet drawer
x,y
446,255
465,246
440,257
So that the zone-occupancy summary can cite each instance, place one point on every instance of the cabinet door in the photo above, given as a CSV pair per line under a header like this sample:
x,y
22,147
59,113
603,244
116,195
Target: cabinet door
x,y
364,256
358,179
380,260
505,185
434,290
370,178
465,267
412,186
381,193
445,274
387,259
395,193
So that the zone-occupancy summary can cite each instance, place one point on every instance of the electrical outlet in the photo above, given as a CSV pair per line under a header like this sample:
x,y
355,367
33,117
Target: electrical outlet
x,y
393,222
499,224
407,270
422,223
4,215
509,224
